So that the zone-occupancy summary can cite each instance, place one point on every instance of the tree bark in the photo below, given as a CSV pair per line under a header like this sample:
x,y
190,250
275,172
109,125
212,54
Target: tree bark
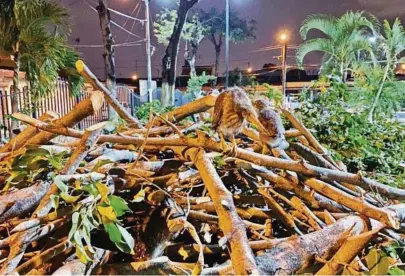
x,y
190,56
82,110
169,61
295,254
217,57
20,140
109,53
230,223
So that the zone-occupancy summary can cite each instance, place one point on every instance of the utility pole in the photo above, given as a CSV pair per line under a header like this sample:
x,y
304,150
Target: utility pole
x,y
227,45
148,54
284,68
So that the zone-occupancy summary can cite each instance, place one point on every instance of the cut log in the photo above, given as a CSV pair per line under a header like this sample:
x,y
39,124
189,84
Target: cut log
x,y
80,111
22,138
297,253
346,254
178,114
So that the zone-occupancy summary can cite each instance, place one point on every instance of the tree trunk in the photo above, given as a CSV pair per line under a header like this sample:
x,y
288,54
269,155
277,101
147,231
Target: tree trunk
x,y
169,62
109,53
217,56
377,98
190,55
16,89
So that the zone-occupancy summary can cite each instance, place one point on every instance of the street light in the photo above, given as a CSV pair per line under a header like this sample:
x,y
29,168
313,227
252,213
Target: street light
x,y
284,39
134,77
227,8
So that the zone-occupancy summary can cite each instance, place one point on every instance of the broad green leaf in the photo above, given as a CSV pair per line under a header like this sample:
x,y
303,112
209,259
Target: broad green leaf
x,y
119,205
68,198
103,190
113,232
107,214
128,239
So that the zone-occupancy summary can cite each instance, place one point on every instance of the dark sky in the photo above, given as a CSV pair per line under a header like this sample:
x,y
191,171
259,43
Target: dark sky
x,y
271,16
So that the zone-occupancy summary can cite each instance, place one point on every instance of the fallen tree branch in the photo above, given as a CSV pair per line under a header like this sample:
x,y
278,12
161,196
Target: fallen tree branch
x,y
229,221
259,159
97,85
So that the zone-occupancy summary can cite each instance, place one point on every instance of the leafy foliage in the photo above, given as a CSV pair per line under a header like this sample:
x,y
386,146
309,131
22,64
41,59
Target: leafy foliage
x,y
274,94
193,29
342,39
376,148
195,83
105,209
143,111
37,31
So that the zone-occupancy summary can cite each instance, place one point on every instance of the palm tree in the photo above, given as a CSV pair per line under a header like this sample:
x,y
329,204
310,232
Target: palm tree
x,y
342,39
392,45
34,33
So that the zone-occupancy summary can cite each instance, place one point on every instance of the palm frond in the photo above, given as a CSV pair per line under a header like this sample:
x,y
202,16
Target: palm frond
x,y
317,44
322,22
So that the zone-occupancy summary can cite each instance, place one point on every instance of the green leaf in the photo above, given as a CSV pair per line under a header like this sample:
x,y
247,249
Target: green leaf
x,y
82,255
107,214
55,202
113,232
395,270
119,205
101,163
140,196
128,239
62,186
103,190
68,198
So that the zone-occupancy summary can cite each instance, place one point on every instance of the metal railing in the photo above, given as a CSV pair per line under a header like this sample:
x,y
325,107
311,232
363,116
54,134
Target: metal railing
x,y
60,101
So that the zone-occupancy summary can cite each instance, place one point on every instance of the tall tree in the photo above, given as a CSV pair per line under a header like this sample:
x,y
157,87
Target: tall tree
x,y
109,52
169,61
342,39
193,33
34,33
240,30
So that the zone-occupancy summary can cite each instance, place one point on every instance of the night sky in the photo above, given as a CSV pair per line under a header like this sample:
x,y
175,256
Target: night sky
x,y
271,16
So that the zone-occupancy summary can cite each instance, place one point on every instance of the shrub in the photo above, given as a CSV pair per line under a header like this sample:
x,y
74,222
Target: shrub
x,y
377,148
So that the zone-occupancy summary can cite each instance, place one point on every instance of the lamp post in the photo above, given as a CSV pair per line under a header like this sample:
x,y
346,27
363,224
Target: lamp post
x,y
283,39
148,54
227,8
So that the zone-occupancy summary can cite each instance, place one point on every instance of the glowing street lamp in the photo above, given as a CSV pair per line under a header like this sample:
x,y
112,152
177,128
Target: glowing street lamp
x,y
284,39
134,77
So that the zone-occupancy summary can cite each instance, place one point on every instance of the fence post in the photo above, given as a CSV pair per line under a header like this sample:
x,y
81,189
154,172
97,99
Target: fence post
x,y
132,103
77,102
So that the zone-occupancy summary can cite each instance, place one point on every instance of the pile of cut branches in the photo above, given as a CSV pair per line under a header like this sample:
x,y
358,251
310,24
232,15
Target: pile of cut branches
x,y
165,199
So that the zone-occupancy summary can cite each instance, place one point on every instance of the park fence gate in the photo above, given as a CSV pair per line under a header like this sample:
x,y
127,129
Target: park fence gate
x,y
60,101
